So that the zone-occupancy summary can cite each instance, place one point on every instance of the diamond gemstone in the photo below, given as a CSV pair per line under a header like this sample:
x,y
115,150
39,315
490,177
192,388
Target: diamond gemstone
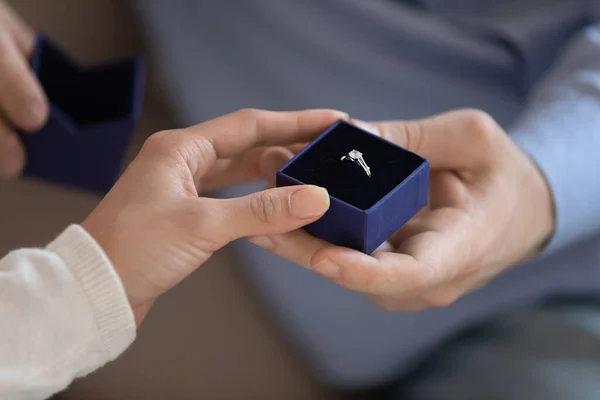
x,y
355,154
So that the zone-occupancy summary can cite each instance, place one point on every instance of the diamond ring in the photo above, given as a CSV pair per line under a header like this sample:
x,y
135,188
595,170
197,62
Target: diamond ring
x,y
357,157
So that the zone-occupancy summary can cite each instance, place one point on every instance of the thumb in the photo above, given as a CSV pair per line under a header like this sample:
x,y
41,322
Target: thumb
x,y
462,139
269,212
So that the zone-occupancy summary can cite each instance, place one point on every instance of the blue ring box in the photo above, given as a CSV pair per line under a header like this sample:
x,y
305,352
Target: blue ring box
x,y
364,211
93,113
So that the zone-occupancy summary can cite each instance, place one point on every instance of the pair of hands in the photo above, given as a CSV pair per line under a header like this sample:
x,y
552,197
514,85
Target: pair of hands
x,y
489,206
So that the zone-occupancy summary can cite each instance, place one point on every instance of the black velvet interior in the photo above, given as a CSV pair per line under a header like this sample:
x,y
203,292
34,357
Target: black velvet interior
x,y
87,96
321,165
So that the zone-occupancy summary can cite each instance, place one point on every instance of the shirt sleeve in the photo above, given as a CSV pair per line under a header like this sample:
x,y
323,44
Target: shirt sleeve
x,y
560,130
63,314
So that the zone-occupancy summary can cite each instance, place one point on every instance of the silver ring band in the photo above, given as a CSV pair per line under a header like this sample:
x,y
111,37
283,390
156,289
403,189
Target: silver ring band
x,y
357,157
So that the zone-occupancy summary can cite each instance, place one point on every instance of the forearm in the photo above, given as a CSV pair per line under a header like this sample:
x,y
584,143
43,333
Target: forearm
x,y
63,313
561,131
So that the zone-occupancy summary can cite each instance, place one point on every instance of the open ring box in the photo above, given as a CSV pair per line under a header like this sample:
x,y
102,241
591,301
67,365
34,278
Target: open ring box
x,y
364,211
93,112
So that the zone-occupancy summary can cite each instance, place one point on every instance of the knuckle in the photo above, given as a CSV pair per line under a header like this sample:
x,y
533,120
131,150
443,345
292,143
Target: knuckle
x,y
201,149
159,143
266,207
171,142
414,136
481,126
408,134
250,118
180,148
249,113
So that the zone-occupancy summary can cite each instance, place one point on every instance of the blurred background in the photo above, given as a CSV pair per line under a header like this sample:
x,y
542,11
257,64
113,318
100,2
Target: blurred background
x,y
247,325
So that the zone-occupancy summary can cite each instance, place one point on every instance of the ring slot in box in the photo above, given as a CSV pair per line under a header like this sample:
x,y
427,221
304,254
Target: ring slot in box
x,y
365,211
93,112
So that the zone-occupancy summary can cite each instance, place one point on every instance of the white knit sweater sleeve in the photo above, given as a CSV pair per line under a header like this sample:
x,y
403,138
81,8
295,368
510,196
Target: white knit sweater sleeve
x,y
63,314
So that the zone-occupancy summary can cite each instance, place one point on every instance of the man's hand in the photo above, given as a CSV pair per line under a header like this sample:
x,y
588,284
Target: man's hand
x,y
489,209
154,227
22,100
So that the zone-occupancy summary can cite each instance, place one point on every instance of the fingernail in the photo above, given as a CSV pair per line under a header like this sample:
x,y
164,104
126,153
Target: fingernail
x,y
262,241
327,268
309,202
367,127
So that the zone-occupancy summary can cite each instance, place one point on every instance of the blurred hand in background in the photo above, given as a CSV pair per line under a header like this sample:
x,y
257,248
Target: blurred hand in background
x,y
23,104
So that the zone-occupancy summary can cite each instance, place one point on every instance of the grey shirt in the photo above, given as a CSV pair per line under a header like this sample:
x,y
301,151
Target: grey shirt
x,y
533,64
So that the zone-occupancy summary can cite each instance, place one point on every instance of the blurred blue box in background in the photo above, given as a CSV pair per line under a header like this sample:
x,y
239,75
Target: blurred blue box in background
x,y
93,113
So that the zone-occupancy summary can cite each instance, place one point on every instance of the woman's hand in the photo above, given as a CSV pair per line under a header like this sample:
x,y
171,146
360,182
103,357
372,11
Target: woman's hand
x,y
489,209
154,227
22,101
